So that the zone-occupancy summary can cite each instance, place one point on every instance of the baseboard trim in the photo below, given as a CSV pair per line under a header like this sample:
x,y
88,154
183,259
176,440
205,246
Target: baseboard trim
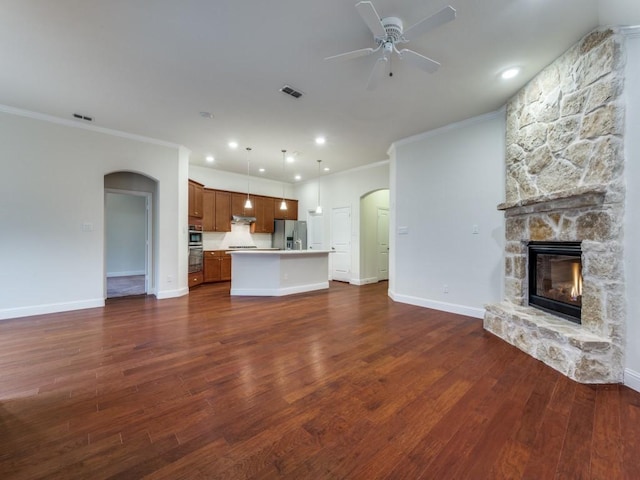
x,y
364,281
632,379
436,305
278,292
44,309
125,274
162,294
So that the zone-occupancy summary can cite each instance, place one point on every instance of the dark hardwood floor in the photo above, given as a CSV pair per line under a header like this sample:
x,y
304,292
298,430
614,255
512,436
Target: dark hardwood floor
x,y
325,385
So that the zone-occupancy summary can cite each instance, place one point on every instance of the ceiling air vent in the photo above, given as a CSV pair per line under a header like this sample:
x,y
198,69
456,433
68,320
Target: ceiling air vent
x,y
82,117
291,91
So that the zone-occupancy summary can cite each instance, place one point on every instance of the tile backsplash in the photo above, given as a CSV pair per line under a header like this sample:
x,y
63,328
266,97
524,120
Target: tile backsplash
x,y
239,235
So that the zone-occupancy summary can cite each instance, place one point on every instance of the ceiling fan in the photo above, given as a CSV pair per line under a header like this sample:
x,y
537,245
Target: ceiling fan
x,y
388,32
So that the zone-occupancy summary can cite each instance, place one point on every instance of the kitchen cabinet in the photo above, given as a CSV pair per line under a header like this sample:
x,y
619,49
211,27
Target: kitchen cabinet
x,y
291,213
216,211
237,205
217,266
196,191
264,208
195,279
223,211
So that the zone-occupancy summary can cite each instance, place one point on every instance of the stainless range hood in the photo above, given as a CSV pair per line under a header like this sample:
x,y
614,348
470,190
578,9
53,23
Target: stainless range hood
x,y
242,220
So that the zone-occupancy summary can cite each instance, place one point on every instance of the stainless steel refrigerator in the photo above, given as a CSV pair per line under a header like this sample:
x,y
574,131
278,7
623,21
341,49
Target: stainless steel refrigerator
x,y
290,235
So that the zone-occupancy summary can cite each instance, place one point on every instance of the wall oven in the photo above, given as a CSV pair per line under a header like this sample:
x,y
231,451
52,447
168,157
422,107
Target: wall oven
x,y
195,235
195,259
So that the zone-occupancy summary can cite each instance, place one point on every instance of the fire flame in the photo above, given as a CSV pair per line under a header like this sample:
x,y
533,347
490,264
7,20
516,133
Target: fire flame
x,y
576,290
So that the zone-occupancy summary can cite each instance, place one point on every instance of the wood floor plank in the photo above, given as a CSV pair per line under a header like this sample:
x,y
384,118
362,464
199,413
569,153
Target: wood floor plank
x,y
343,383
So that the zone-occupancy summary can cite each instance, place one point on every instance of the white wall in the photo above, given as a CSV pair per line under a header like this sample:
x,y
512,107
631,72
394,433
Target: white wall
x,y
52,211
212,178
619,12
343,189
125,234
443,183
632,213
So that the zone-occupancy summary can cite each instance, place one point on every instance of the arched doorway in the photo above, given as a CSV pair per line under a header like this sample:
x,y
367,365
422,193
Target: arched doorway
x,y
374,236
129,234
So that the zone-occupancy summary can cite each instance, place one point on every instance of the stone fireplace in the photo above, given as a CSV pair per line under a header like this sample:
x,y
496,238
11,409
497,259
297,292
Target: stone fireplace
x,y
564,183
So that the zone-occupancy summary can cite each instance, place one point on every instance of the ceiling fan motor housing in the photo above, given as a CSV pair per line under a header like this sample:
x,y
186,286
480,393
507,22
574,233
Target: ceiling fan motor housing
x,y
393,28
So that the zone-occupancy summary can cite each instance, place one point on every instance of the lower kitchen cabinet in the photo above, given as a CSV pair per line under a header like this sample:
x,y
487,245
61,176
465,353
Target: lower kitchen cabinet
x,y
195,279
217,266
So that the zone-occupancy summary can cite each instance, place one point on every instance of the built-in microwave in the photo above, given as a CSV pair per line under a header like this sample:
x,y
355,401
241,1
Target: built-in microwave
x,y
195,235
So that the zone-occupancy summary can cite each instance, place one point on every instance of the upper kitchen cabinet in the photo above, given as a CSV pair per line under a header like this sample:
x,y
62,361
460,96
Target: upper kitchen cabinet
x,y
196,192
264,208
238,201
291,213
216,211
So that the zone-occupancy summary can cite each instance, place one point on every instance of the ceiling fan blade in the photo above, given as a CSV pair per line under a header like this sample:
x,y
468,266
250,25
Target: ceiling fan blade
x,y
354,54
445,15
376,73
371,18
420,61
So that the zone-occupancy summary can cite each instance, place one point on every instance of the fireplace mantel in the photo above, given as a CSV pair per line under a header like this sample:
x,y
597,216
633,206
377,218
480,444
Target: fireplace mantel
x,y
580,197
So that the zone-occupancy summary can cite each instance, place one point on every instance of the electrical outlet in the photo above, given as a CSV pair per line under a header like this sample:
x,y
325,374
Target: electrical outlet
x,y
475,229
169,278
445,288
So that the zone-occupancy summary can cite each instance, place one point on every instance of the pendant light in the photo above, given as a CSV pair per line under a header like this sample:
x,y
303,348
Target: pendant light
x,y
319,207
283,204
248,204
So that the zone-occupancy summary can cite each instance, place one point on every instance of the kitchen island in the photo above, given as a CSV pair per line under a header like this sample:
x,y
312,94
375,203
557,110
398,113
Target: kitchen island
x,y
274,273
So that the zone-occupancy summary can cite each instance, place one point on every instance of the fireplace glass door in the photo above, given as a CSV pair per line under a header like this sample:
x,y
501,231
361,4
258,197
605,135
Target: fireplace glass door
x,y
555,278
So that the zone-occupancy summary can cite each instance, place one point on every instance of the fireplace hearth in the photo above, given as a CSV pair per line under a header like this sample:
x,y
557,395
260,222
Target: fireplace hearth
x,y
555,278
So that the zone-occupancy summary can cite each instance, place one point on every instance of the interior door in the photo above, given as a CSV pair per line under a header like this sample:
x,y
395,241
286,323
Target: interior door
x,y
341,244
315,231
383,243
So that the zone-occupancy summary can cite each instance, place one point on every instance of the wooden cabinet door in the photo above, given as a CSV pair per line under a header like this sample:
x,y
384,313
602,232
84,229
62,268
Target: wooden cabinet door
x,y
195,279
225,267
196,191
264,208
211,266
291,213
223,211
209,210
237,205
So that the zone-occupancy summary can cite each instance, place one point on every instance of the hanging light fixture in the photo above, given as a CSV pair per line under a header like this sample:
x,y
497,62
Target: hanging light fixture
x,y
319,207
283,204
248,204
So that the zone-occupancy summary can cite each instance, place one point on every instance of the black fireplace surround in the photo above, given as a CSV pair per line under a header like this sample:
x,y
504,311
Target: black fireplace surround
x,y
555,278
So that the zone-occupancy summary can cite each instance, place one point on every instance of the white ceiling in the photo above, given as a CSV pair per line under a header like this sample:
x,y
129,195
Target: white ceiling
x,y
148,67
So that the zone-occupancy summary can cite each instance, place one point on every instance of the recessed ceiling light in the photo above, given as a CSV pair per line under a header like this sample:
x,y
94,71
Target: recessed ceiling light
x,y
320,140
510,73
326,169
290,159
261,170
206,114
297,177
233,144
209,158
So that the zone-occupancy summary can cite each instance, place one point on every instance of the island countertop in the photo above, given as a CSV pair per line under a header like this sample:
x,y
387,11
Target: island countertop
x,y
256,272
274,251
